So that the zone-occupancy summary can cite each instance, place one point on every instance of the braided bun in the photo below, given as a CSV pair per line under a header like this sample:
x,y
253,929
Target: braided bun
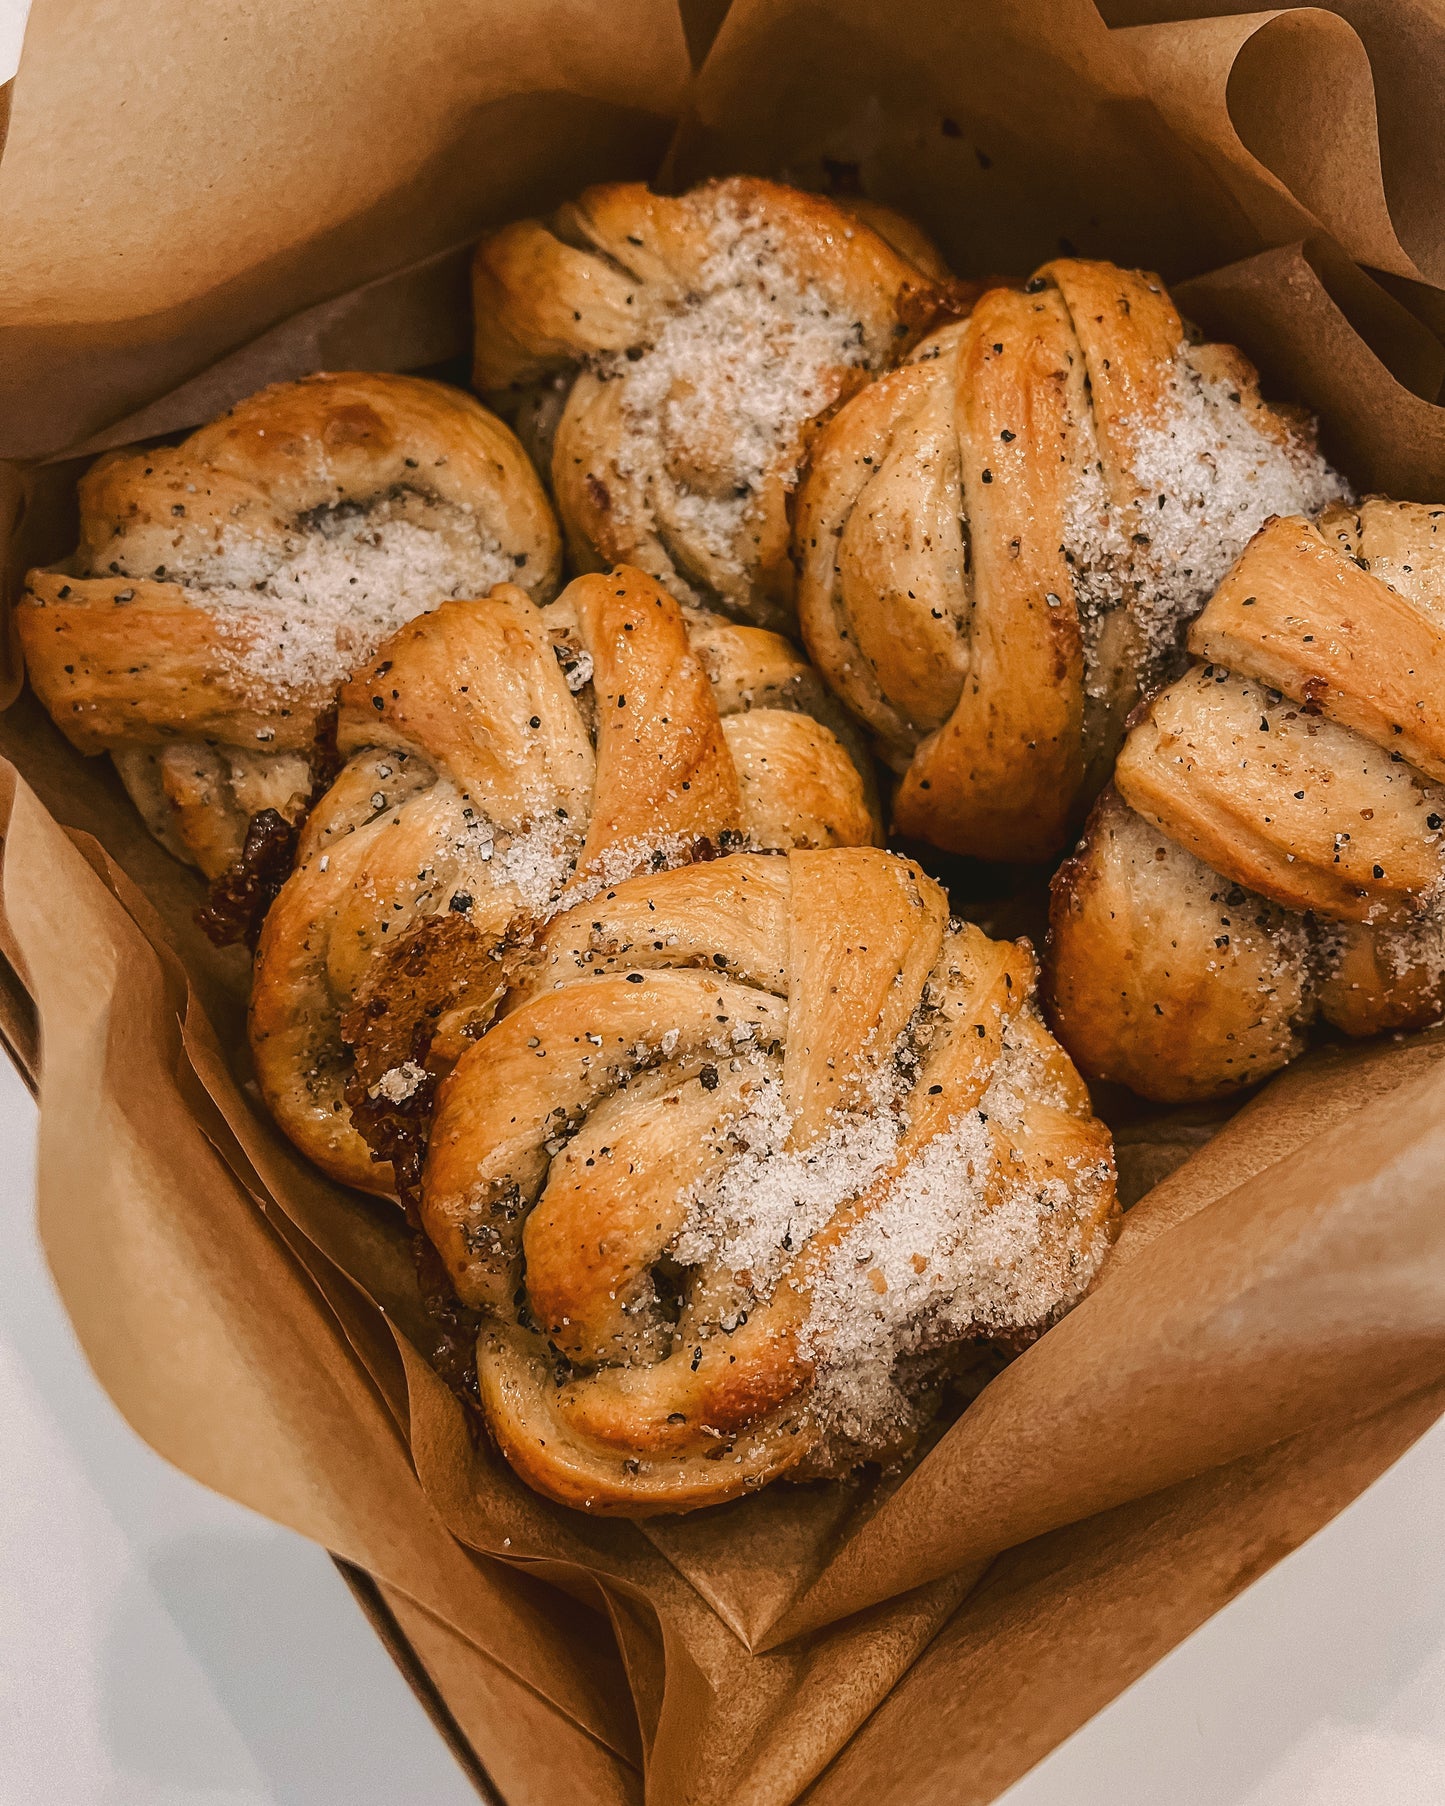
x,y
225,587
999,542
503,756
1273,850
670,357
755,1148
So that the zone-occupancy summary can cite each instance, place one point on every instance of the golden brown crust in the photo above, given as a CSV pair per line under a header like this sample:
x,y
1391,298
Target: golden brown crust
x,y
1367,652
197,800
798,785
126,661
596,278
573,1133
1285,802
207,605
663,456
318,442
974,540
999,777
1376,979
499,754
1283,783
1163,976
905,235
661,755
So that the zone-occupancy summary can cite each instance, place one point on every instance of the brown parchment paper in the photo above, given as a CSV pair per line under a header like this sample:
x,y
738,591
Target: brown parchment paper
x,y
177,177
228,206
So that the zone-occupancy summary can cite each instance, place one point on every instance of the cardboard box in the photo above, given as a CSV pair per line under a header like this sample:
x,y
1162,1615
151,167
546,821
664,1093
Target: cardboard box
x,y
197,200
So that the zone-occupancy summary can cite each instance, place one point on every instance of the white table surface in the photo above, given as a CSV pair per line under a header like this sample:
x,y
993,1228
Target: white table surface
x,y
162,1647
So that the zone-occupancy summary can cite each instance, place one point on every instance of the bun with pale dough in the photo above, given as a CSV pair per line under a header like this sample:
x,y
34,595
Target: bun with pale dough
x,y
1273,849
501,759
668,359
1000,543
226,587
754,1154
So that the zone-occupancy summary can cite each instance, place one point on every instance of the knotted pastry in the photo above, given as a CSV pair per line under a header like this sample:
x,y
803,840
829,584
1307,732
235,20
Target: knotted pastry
x,y
502,757
225,587
671,356
756,1148
1272,849
999,542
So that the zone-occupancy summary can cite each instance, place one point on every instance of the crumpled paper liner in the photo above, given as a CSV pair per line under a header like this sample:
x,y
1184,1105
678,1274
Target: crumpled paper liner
x,y
178,177
1061,1625
1271,1330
